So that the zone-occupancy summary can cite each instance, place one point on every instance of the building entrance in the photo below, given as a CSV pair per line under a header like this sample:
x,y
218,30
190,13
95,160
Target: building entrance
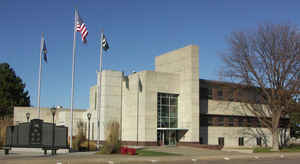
x,y
167,137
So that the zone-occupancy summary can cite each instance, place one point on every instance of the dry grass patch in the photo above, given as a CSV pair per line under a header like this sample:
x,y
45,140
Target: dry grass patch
x,y
80,136
112,139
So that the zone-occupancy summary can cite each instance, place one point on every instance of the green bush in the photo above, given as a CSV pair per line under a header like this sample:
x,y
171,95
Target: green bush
x,y
261,149
112,142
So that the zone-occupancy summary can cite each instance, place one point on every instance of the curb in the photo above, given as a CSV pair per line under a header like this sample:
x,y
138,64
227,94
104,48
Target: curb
x,y
133,159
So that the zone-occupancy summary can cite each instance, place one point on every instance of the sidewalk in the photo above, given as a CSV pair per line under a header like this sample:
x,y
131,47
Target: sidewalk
x,y
189,155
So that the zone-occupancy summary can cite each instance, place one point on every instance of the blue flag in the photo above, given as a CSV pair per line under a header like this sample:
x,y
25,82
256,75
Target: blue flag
x,y
44,49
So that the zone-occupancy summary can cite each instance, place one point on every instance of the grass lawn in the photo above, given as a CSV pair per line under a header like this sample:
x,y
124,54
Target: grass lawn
x,y
291,148
144,152
240,148
262,150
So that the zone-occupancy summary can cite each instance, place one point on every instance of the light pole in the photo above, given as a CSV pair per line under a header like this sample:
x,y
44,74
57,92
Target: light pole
x,y
89,115
27,116
53,111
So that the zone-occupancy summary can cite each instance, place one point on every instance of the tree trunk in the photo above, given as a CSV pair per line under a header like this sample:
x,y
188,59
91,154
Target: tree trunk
x,y
275,137
275,129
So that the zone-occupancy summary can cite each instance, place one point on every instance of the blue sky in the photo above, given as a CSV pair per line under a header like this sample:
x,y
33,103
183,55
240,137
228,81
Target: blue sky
x,y
136,31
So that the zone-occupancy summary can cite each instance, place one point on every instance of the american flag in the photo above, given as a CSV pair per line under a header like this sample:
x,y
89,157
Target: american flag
x,y
81,27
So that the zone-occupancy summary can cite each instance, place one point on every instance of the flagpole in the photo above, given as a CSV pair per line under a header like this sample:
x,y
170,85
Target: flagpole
x,y
137,111
99,90
73,74
40,72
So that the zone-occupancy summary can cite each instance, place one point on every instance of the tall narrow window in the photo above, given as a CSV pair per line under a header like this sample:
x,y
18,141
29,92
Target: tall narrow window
x,y
167,110
230,121
241,141
209,95
231,94
258,141
220,93
201,140
220,121
221,141
209,121
203,93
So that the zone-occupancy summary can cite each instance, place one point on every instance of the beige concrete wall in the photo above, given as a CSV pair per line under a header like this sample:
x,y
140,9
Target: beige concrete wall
x,y
110,109
93,97
155,82
226,108
131,96
139,116
176,73
231,135
93,123
64,118
185,63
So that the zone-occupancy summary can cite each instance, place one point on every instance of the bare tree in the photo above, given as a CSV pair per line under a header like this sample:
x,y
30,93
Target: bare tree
x,y
268,61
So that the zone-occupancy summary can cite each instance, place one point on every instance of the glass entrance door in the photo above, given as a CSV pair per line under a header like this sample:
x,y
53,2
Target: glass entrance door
x,y
166,137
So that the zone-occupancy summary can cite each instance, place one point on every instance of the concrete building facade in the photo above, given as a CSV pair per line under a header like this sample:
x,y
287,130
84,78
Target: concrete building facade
x,y
167,106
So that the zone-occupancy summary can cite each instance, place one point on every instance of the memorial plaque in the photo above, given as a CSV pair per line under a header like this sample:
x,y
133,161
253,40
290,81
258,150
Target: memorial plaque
x,y
35,131
37,134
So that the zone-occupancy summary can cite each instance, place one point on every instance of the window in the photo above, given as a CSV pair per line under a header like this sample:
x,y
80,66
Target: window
x,y
220,93
258,141
221,141
209,121
250,122
258,124
167,110
203,93
209,95
231,94
220,121
238,95
235,121
258,99
241,141
245,121
241,122
230,121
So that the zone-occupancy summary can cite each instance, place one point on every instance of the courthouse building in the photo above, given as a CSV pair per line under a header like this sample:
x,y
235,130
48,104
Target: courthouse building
x,y
166,106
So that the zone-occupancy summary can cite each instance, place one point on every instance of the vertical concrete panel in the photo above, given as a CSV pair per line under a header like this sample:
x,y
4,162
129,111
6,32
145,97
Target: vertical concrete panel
x,y
93,97
129,113
184,62
110,100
